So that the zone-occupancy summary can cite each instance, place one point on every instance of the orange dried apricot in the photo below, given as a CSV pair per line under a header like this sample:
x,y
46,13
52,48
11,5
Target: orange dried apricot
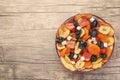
x,y
88,64
108,52
63,52
93,49
103,37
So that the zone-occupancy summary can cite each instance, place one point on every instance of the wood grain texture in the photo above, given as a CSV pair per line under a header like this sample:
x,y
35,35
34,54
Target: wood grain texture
x,y
27,35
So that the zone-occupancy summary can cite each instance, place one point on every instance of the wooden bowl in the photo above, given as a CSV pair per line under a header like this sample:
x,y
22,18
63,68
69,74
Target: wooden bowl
x,y
72,19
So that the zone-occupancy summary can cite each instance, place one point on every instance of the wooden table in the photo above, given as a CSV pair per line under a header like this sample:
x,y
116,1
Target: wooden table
x,y
27,35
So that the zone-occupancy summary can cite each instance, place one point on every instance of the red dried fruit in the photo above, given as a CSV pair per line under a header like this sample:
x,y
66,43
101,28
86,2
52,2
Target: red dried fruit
x,y
102,50
87,56
69,26
83,22
70,44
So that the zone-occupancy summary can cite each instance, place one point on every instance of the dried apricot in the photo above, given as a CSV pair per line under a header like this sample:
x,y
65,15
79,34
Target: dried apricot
x,y
108,52
93,49
63,52
103,37
88,64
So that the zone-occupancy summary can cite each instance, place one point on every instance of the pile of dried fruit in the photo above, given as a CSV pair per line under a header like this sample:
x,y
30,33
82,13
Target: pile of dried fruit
x,y
84,42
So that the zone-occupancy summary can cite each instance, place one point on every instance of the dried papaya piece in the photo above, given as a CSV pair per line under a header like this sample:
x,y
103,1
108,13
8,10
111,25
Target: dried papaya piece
x,y
88,27
86,36
103,37
88,64
63,52
83,22
93,49
108,52
69,26
70,44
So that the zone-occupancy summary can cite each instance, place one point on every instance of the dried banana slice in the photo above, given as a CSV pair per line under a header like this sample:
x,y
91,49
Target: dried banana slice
x,y
77,50
112,32
64,32
60,46
111,41
104,29
67,59
83,32
81,69
67,65
80,64
98,65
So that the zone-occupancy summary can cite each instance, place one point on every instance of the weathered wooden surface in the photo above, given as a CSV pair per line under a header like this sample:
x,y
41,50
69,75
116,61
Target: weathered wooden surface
x,y
27,33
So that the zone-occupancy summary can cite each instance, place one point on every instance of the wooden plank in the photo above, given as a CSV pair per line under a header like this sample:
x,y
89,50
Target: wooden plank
x,y
42,72
57,72
6,71
97,3
1,54
100,76
40,21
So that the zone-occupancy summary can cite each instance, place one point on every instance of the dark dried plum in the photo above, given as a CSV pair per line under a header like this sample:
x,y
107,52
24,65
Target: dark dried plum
x,y
103,55
93,33
94,23
75,23
82,44
100,44
71,55
59,39
93,58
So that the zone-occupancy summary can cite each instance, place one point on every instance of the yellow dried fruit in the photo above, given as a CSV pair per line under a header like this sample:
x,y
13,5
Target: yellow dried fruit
x,y
111,41
77,50
64,32
67,65
104,29
80,64
98,65
111,33
60,46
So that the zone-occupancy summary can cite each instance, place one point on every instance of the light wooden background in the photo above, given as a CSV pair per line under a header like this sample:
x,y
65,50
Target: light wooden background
x,y
27,34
